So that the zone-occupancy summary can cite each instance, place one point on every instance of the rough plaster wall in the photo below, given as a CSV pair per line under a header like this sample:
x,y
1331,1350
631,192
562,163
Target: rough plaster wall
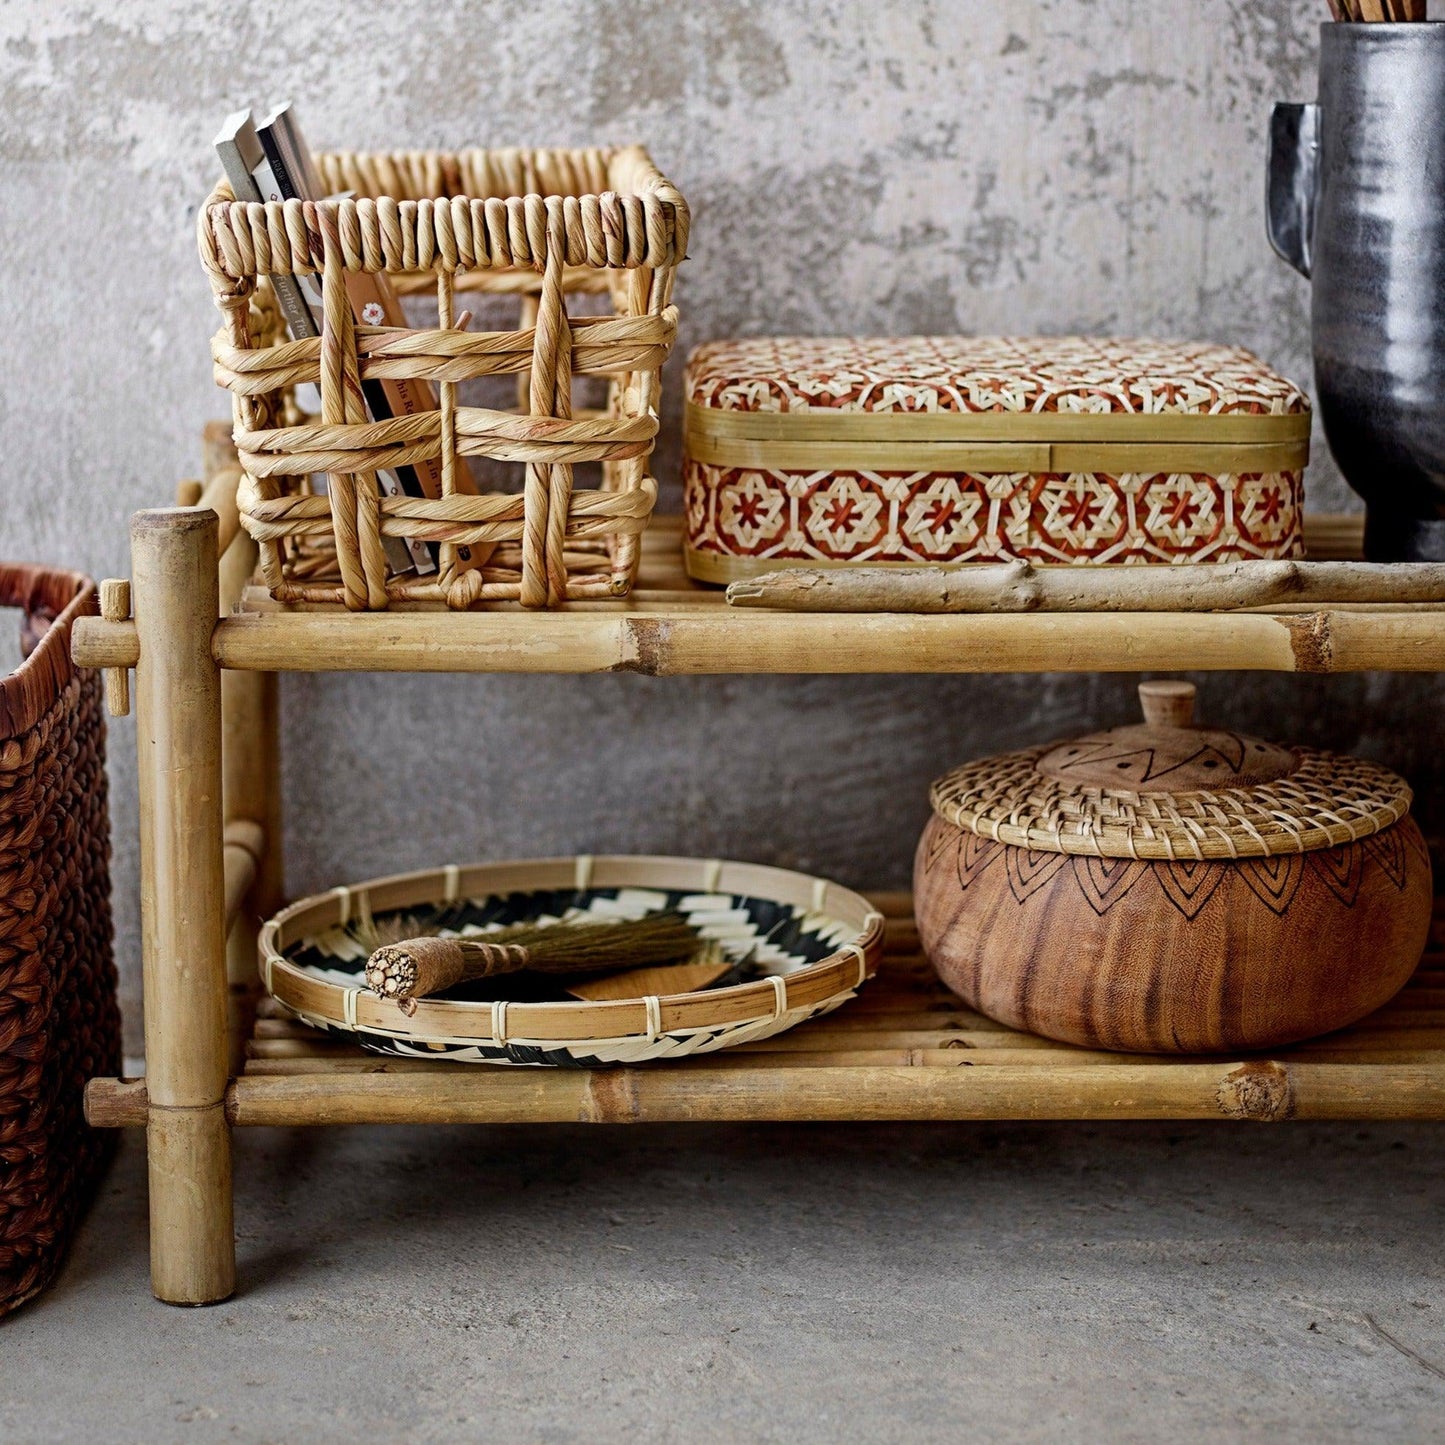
x,y
1044,165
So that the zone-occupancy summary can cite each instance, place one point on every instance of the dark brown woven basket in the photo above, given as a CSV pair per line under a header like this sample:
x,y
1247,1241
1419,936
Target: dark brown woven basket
x,y
59,1022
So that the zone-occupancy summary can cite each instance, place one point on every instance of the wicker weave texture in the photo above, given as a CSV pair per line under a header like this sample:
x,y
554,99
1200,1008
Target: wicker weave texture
x,y
59,1023
782,987
1327,801
539,225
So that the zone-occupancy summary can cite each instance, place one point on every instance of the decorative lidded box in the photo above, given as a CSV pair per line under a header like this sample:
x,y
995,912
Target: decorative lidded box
x,y
810,451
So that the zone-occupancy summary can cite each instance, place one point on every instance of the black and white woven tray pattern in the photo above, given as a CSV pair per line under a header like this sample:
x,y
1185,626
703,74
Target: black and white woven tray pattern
x,y
761,937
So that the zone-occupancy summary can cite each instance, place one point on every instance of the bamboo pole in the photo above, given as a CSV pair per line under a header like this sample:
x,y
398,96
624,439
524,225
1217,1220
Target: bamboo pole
x,y
251,767
1259,1090
178,735
245,846
251,789
219,496
1048,1056
728,641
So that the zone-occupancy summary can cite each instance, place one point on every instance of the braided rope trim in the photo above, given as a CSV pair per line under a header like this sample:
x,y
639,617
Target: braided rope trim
x,y
601,345
1328,801
405,440
503,171
463,520
635,217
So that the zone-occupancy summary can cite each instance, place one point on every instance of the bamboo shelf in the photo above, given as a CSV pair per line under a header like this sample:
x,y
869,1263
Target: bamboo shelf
x,y
906,1048
673,626
197,646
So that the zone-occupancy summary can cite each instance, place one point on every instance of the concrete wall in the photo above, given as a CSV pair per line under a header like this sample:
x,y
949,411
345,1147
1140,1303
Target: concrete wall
x,y
1041,165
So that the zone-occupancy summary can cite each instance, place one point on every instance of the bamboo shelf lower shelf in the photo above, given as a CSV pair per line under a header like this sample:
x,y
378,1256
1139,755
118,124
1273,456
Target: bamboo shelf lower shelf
x,y
904,1049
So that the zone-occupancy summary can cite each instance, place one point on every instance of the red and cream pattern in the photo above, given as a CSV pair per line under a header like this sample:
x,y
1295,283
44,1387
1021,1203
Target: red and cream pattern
x,y
866,516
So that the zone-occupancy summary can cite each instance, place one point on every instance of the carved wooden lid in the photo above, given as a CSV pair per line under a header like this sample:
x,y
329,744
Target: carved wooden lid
x,y
1167,789
1167,753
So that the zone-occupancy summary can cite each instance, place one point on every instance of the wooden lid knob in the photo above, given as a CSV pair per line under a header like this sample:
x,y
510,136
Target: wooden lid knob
x,y
1167,704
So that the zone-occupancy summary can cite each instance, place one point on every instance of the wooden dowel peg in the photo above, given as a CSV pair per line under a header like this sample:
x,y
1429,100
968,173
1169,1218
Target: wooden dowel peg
x,y
115,607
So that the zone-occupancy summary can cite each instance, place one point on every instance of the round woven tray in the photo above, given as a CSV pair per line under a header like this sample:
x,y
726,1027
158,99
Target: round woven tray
x,y
801,945
1327,801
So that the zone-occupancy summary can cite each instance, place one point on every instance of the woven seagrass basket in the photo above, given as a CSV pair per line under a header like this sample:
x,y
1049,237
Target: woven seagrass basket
x,y
800,946
59,1024
536,225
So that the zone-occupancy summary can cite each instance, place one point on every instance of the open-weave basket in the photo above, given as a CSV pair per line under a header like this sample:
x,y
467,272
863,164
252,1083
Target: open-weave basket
x,y
539,225
59,1024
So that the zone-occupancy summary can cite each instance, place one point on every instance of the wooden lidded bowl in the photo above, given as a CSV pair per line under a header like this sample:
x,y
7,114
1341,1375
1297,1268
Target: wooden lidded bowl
x,y
1167,888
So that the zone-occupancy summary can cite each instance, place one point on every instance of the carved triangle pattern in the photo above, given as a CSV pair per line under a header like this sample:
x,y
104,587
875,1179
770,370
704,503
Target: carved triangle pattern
x,y
1417,852
1104,881
1274,880
1341,870
974,855
1388,850
1187,884
940,840
1029,871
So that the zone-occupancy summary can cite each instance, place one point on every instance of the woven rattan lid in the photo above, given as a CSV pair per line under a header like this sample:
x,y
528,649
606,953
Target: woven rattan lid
x,y
1168,789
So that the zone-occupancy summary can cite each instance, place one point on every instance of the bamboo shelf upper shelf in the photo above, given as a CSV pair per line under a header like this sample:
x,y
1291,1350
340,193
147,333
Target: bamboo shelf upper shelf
x,y
670,625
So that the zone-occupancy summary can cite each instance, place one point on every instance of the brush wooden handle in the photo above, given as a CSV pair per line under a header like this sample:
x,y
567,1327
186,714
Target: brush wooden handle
x,y
417,967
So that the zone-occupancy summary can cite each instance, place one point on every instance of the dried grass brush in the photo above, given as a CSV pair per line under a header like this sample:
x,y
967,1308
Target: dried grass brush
x,y
418,967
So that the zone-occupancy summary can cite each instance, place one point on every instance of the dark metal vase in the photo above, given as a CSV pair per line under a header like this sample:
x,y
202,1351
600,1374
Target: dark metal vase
x,y
1356,202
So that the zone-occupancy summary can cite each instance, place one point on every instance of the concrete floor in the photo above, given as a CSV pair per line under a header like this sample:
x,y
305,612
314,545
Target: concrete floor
x,y
810,1283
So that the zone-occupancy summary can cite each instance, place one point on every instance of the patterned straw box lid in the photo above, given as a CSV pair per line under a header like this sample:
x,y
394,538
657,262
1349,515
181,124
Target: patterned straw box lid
x,y
986,374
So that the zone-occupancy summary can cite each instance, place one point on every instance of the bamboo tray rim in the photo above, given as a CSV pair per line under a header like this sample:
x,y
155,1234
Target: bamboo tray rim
x,y
562,1023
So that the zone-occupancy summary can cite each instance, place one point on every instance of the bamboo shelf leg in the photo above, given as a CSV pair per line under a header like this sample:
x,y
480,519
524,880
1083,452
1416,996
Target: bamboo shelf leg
x,y
178,737
251,769
252,794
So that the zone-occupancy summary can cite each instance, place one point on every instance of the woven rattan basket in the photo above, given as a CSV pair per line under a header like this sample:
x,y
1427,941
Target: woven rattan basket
x,y
801,945
538,225
59,1025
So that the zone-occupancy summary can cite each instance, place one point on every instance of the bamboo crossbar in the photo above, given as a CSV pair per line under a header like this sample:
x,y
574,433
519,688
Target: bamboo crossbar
x,y
713,640
1216,1090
